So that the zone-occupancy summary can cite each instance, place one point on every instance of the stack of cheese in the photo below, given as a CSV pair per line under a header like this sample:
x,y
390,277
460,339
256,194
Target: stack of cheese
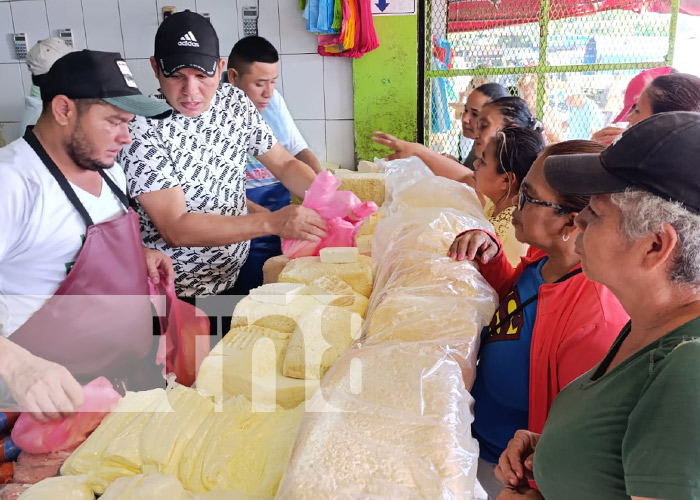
x,y
355,270
364,237
178,434
286,335
368,186
393,415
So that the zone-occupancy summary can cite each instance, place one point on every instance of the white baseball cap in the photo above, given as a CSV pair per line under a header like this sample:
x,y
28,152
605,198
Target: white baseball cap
x,y
42,56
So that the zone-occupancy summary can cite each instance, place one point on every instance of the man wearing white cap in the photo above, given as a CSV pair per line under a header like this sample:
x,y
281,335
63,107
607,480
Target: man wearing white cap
x,y
39,61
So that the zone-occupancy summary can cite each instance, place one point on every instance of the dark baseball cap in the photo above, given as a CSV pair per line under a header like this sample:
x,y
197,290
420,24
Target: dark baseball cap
x,y
659,155
91,74
187,40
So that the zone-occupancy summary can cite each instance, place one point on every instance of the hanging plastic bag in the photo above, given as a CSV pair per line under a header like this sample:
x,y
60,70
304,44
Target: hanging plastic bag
x,y
184,333
32,436
342,210
358,23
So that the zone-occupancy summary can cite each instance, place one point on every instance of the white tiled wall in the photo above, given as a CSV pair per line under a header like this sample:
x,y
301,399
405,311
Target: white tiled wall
x,y
318,90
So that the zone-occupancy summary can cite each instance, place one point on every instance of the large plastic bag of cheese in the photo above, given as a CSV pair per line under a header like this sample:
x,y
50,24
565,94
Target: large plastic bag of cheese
x,y
438,275
342,210
421,276
415,318
432,230
392,421
32,436
59,488
412,186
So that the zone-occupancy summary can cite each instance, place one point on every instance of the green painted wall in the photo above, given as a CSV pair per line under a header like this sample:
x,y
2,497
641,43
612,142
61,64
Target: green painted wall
x,y
385,84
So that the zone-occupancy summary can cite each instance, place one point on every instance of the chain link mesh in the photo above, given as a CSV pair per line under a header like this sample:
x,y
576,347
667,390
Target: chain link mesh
x,y
568,59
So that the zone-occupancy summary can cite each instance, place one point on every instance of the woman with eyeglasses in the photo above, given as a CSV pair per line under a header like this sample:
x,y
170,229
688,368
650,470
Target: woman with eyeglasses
x,y
552,324
498,174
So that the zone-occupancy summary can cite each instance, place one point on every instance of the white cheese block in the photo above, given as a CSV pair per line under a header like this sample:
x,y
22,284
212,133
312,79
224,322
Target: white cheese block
x,y
364,244
273,267
338,255
306,269
367,186
331,290
284,318
367,167
248,362
321,337
276,293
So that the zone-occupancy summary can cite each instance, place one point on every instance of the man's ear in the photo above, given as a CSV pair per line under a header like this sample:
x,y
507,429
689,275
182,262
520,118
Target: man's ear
x,y
63,109
154,65
232,75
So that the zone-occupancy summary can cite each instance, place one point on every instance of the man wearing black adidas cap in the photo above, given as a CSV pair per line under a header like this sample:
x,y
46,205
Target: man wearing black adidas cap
x,y
187,172
629,427
71,257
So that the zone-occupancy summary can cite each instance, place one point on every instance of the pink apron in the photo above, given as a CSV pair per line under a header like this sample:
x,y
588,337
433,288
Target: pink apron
x,y
99,321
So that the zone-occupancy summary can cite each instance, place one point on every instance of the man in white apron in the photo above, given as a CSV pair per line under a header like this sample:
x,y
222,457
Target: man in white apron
x,y
74,295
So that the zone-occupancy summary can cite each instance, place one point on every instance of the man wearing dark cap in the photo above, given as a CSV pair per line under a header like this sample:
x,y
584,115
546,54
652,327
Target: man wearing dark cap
x,y
187,172
628,428
71,257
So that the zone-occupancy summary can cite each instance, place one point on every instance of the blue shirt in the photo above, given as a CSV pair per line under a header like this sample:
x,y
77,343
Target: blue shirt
x,y
264,189
277,116
501,387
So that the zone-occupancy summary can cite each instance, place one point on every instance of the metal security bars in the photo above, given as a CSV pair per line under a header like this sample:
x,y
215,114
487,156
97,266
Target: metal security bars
x,y
569,59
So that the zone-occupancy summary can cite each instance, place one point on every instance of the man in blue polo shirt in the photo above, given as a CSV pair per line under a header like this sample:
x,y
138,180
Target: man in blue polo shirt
x,y
253,67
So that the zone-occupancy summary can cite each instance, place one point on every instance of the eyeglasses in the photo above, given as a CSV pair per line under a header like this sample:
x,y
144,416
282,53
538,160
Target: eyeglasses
x,y
523,198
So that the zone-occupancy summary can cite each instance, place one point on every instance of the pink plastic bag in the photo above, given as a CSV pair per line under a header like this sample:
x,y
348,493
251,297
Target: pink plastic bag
x,y
184,339
32,436
342,210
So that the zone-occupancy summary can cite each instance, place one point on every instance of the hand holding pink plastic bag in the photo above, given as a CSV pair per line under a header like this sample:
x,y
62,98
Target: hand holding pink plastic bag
x,y
342,210
33,436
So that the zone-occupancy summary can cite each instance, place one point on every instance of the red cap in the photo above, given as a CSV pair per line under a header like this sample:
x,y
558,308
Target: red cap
x,y
635,88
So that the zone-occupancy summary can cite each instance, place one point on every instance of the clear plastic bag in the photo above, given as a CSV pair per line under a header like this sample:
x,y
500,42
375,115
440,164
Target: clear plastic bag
x,y
432,230
343,212
392,418
412,186
33,436
392,421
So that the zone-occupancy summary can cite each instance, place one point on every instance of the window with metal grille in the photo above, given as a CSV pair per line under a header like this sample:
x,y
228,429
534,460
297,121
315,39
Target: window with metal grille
x,y
570,60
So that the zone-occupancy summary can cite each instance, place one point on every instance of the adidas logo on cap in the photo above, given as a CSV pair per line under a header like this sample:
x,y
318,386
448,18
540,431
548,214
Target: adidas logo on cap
x,y
188,40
